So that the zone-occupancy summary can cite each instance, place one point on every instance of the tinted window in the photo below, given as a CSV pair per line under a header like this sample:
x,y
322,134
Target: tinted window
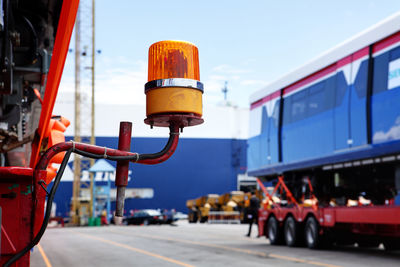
x,y
360,83
309,101
299,105
330,87
264,120
287,101
316,99
275,114
341,87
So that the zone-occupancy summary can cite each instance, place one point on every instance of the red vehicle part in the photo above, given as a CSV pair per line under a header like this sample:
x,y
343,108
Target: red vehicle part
x,y
15,193
20,196
23,191
16,210
121,175
380,223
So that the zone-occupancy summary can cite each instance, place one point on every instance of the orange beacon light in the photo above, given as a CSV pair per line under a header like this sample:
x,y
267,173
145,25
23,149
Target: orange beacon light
x,y
173,91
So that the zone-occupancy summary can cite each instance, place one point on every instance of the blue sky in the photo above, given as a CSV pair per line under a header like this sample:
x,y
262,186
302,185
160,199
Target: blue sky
x,y
247,43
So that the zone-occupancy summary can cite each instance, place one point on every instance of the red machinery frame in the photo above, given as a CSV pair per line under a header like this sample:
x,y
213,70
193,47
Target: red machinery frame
x,y
20,197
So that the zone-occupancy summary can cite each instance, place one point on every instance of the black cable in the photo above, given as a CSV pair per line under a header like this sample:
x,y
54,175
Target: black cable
x,y
162,152
34,37
100,156
50,199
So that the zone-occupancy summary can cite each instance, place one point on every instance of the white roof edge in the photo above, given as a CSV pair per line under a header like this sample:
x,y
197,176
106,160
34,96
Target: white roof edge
x,y
382,29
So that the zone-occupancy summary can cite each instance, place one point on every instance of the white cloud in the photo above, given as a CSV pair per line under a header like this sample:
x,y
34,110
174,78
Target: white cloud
x,y
218,77
212,86
228,69
211,99
253,82
249,61
392,134
123,84
120,81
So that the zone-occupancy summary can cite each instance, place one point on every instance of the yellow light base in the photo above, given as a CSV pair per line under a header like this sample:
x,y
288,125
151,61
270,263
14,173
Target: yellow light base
x,y
171,100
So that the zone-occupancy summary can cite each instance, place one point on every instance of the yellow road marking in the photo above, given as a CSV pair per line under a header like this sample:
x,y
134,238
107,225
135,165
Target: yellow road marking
x,y
135,249
251,252
46,260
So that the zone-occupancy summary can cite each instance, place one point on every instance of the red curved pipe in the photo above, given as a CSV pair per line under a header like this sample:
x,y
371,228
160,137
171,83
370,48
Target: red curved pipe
x,y
163,157
61,147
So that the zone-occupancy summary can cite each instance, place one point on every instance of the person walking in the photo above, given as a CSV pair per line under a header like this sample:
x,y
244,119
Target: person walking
x,y
253,212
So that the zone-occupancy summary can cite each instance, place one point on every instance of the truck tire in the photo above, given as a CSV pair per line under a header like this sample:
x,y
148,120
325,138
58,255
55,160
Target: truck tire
x,y
311,234
203,219
192,217
274,231
291,232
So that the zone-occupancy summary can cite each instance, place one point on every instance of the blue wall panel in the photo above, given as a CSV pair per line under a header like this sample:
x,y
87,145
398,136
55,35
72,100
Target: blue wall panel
x,y
198,167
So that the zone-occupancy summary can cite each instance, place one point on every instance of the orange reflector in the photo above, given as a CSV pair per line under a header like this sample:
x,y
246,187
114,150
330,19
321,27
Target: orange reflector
x,y
65,121
59,126
173,59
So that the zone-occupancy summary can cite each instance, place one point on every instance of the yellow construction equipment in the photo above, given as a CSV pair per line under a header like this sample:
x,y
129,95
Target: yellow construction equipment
x,y
234,201
199,208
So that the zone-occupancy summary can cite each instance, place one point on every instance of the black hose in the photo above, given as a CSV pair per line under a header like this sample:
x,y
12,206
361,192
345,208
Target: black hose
x,y
34,37
172,136
50,199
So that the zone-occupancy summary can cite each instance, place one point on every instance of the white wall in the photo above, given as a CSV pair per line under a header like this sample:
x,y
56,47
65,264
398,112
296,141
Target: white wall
x,y
220,122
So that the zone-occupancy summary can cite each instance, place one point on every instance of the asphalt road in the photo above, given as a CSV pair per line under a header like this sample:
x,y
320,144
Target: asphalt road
x,y
188,245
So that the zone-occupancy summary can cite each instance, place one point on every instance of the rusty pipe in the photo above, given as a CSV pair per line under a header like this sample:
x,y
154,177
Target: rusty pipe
x,y
112,154
121,175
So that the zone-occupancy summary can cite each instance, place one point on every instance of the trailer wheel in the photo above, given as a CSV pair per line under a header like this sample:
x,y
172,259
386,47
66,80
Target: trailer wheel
x,y
274,231
203,219
291,232
192,217
311,233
